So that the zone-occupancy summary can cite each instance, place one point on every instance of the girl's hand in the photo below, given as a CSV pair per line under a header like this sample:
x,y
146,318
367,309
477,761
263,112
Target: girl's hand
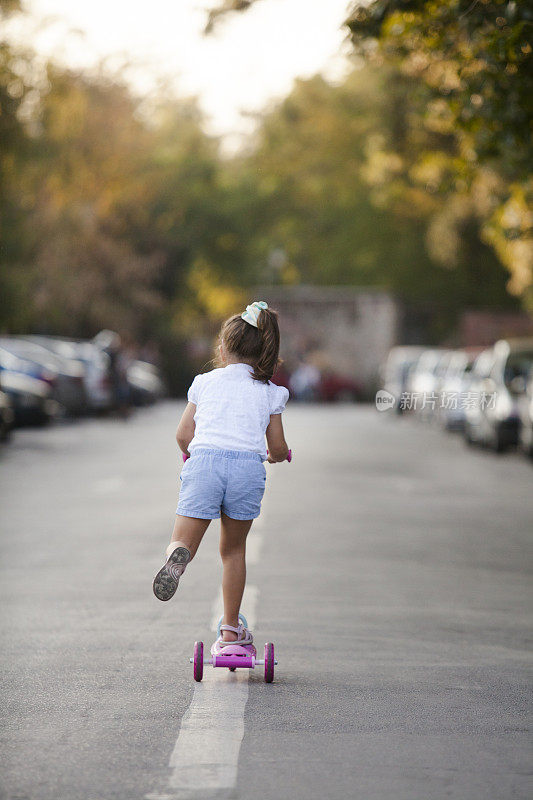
x,y
271,460
186,428
277,446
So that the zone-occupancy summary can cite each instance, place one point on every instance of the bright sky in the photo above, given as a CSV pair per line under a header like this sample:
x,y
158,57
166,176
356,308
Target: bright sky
x,y
251,59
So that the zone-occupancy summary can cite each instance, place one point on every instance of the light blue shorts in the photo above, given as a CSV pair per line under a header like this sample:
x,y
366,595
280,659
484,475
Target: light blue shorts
x,y
232,481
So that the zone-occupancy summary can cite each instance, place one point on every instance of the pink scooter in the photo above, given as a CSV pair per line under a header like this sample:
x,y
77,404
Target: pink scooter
x,y
234,656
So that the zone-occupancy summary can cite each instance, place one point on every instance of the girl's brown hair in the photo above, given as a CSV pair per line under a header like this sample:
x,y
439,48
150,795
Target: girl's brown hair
x,y
257,346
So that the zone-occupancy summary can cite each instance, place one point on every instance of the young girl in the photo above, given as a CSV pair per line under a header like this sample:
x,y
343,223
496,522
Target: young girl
x,y
223,429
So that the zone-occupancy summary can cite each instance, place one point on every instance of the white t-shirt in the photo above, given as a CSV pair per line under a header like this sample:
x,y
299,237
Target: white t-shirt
x,y
233,410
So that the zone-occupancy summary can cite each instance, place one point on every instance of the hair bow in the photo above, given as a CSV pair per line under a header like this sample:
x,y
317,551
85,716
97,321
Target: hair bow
x,y
252,312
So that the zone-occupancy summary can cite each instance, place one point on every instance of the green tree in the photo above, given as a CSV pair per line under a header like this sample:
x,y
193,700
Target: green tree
x,y
315,158
473,62
467,69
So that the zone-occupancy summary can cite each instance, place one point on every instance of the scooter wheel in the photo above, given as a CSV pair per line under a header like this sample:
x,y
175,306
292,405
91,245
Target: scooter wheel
x,y
269,662
198,662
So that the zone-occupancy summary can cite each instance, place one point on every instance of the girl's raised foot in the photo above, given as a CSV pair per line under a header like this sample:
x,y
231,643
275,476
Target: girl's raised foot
x,y
167,579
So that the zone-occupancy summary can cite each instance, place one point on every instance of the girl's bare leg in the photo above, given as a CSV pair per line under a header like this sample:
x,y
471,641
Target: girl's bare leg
x,y
188,532
186,537
233,533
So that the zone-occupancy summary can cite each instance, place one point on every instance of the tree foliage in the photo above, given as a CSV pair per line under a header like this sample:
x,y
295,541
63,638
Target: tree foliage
x,y
328,210
473,63
119,211
464,70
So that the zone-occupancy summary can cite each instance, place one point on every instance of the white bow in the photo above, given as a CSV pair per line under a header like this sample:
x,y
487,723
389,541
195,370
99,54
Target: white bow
x,y
252,312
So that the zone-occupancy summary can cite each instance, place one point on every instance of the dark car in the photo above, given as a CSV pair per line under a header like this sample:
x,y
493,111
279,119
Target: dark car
x,y
29,397
64,376
89,361
7,415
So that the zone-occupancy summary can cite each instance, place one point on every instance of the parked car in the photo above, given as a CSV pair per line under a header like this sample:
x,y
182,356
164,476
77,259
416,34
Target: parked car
x,y
7,416
474,427
423,383
453,388
29,397
499,381
525,412
97,379
145,383
92,363
395,371
441,369
64,376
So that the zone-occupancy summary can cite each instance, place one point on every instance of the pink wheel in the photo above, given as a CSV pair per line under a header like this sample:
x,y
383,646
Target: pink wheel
x,y
269,662
198,661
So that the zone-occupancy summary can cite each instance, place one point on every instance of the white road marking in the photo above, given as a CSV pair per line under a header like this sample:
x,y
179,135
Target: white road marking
x,y
254,545
206,754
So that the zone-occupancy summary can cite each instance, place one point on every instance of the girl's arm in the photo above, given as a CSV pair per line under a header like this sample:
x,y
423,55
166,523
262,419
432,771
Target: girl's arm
x,y
186,428
277,446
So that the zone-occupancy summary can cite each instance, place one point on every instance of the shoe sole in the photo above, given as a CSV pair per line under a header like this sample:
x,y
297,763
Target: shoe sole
x,y
167,579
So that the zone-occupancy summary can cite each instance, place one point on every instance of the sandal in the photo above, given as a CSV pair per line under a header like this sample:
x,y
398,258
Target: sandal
x,y
244,636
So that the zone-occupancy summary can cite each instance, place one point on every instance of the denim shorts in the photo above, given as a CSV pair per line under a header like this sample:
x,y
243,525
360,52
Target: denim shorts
x,y
232,481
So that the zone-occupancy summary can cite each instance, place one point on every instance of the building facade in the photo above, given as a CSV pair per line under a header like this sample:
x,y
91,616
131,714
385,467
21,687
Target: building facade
x,y
345,330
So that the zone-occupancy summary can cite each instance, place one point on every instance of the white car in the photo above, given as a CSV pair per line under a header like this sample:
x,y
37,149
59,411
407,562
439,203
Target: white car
x,y
454,388
474,427
424,383
498,382
395,371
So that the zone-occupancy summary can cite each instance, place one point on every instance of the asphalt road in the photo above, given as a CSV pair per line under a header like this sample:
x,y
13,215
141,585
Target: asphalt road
x,y
392,569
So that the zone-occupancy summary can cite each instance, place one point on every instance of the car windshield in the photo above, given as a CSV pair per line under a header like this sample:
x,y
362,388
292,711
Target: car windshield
x,y
519,365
